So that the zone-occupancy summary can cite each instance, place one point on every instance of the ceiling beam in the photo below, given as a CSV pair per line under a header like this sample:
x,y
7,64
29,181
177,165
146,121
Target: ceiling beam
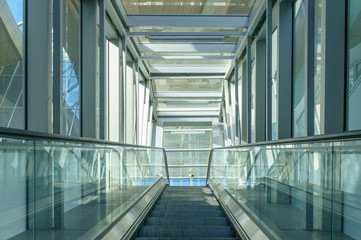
x,y
144,34
188,47
188,20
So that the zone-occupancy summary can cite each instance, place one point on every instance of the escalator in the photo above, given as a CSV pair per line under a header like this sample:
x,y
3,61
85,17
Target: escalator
x,y
186,213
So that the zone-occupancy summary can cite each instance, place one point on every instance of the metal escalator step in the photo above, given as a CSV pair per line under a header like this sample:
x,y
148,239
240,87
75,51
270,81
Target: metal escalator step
x,y
186,203
185,208
191,214
187,232
210,198
176,238
158,221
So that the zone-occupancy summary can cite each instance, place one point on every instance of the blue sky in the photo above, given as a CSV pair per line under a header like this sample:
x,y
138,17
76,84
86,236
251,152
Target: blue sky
x,y
16,7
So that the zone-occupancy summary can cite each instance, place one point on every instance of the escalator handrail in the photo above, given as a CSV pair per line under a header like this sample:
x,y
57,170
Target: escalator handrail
x,y
345,136
38,136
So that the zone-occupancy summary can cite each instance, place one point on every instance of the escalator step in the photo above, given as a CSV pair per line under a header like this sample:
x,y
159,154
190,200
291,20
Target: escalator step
x,y
185,203
157,221
182,214
176,238
187,232
185,208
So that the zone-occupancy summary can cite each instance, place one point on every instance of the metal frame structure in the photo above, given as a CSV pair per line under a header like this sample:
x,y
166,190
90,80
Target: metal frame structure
x,y
181,46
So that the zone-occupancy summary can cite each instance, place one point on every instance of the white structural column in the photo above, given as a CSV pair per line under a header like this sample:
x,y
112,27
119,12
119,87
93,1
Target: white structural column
x,y
333,67
38,62
89,89
260,128
284,100
238,122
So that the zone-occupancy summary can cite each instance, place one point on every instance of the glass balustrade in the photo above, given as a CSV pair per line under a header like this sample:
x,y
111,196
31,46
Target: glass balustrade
x,y
296,191
54,189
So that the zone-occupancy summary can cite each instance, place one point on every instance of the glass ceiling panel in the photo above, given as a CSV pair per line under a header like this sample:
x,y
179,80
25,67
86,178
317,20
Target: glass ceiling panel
x,y
187,29
187,85
206,39
150,54
165,105
206,7
190,63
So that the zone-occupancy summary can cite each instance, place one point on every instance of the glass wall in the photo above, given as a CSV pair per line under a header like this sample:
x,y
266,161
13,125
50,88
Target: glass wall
x,y
114,94
253,101
354,65
129,101
298,68
298,191
274,82
71,69
12,113
318,70
187,146
70,190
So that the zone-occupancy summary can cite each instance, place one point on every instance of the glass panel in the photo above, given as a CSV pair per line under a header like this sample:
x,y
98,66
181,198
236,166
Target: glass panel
x,y
354,67
12,113
298,191
129,104
187,146
187,85
189,63
318,55
299,69
253,102
188,7
71,69
274,82
179,105
63,190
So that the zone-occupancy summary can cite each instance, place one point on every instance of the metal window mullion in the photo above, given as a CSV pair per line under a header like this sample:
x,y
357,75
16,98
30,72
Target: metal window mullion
x,y
102,71
333,67
269,70
284,99
57,66
309,67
